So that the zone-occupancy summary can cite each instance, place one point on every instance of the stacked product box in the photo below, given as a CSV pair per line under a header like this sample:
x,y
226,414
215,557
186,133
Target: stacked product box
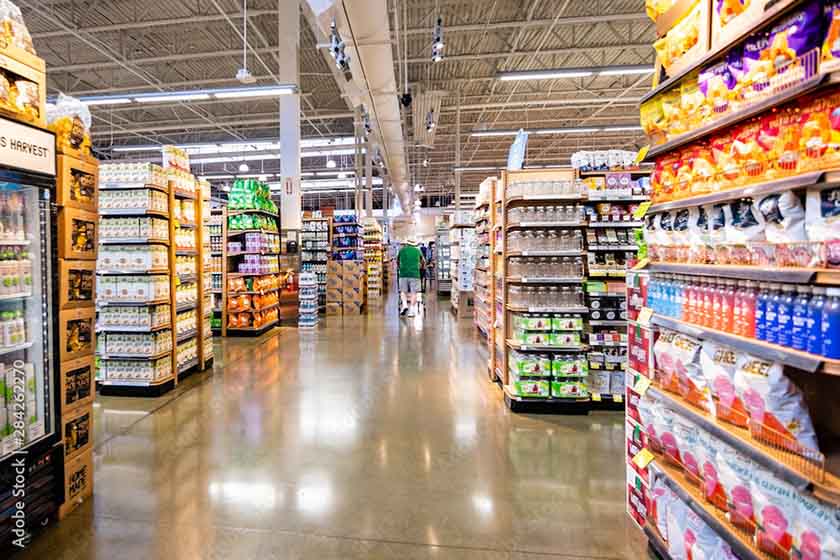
x,y
353,287
335,287
308,300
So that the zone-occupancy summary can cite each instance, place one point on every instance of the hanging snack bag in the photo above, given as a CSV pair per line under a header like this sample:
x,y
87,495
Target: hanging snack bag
x,y
708,465
816,534
776,407
747,223
685,432
735,473
666,229
719,363
776,513
785,155
784,218
822,214
749,154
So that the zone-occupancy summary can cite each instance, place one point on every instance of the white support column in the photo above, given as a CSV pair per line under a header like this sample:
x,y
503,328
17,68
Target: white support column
x,y
357,161
369,180
288,25
458,155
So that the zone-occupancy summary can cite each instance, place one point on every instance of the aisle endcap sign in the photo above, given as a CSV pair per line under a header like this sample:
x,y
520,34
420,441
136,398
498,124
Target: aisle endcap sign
x,y
26,148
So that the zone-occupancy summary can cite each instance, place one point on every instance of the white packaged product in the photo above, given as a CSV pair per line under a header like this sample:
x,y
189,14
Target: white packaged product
x,y
680,232
776,513
717,215
735,473
700,540
708,465
718,364
784,218
822,214
677,523
775,404
666,229
664,357
744,222
685,432
816,534
698,226
691,382
661,498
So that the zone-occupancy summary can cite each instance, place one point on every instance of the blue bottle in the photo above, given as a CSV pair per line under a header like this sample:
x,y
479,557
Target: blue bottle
x,y
831,324
784,312
799,319
760,307
814,321
771,319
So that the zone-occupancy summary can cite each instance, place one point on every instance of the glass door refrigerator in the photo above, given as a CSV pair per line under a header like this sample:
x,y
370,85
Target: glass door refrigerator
x,y
31,462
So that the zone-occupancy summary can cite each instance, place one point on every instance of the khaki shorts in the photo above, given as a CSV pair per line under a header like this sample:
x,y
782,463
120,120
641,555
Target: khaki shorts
x,y
411,285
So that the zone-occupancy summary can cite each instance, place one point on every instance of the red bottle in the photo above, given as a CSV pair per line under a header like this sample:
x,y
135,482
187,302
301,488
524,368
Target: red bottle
x,y
748,310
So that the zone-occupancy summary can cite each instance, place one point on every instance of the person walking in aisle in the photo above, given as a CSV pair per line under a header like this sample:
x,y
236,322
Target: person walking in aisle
x,y
424,272
409,262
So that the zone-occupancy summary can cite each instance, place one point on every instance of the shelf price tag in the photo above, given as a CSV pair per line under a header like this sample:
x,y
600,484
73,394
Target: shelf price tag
x,y
618,398
643,458
644,316
641,210
642,385
596,397
640,157
642,264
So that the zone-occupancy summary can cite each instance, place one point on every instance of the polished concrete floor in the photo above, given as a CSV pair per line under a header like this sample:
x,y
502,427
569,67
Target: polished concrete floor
x,y
371,437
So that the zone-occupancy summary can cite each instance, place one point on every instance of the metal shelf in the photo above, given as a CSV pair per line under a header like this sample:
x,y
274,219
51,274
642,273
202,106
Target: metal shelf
x,y
132,272
132,303
133,241
133,212
544,198
522,309
157,356
183,337
613,248
131,186
608,323
131,329
571,253
557,280
776,353
527,225
6,297
16,348
788,275
186,307
545,347
240,211
616,224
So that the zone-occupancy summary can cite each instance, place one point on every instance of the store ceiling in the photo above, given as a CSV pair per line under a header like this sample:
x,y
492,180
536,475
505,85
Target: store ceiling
x,y
115,46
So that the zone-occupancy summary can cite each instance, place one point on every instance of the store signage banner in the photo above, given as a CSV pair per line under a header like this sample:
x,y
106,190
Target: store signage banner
x,y
26,148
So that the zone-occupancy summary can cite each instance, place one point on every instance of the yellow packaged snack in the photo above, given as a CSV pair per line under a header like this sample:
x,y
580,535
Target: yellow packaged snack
x,y
653,121
692,103
656,8
675,120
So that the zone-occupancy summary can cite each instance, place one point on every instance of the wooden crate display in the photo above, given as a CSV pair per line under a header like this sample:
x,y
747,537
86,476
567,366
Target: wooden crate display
x,y
16,64
77,384
76,333
78,181
77,431
78,483
78,233
77,283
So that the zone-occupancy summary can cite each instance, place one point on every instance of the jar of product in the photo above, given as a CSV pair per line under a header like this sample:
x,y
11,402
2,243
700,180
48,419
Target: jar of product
x,y
813,320
831,324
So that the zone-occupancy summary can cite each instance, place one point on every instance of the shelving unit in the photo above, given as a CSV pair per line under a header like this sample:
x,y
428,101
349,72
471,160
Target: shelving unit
x,y
484,307
462,263
206,265
316,240
252,276
442,260
373,258
733,335
308,307
346,269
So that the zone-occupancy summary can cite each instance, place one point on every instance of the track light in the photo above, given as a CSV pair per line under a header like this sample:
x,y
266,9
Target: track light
x,y
430,120
243,168
426,162
331,163
437,38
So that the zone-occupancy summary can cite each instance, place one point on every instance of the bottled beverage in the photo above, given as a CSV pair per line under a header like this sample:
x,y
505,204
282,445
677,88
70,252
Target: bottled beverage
x,y
784,311
748,310
760,308
717,306
799,319
813,320
737,304
706,306
727,304
771,318
831,324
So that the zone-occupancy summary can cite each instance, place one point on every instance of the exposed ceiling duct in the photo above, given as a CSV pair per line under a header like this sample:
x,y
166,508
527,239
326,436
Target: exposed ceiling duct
x,y
365,28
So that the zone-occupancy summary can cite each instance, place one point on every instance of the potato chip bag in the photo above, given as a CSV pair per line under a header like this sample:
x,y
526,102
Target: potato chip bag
x,y
751,157
776,512
719,363
830,51
785,154
717,85
700,540
793,36
727,10
661,497
692,102
653,121
757,68
728,166
677,523
734,475
707,462
746,224
815,138
718,221
675,120
822,214
784,217
776,407
685,432
664,177
703,169
816,534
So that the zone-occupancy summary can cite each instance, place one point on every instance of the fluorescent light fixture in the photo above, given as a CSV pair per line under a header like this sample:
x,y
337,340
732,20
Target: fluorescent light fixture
x,y
106,101
333,146
237,93
479,133
251,92
622,128
331,163
215,177
164,97
628,70
572,130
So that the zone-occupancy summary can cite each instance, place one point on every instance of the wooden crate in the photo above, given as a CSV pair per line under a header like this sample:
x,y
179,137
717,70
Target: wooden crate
x,y
77,431
77,284
76,333
78,483
28,66
78,378
70,192
78,234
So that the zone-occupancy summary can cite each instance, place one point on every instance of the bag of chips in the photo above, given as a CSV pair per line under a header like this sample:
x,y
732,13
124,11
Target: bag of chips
x,y
734,475
664,360
708,466
822,214
776,513
816,534
718,364
784,218
685,432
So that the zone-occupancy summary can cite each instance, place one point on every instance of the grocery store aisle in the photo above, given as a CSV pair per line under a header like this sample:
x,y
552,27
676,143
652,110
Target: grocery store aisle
x,y
372,437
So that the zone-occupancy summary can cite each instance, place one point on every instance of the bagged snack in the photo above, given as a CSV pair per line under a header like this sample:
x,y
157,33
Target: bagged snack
x,y
653,120
691,383
727,10
666,429
776,513
819,139
692,102
784,218
794,36
717,85
672,113
657,8
708,465
718,214
816,534
734,475
747,223
822,214
685,432
727,165
718,364
70,119
27,98
664,359
701,541
661,498
703,170
758,68
13,31
680,227
776,407
677,523
666,229
831,43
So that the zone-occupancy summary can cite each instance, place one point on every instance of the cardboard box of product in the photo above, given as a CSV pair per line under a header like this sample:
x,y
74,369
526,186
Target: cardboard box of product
x,y
334,282
335,295
355,268
356,297
352,308
334,308
334,268
78,483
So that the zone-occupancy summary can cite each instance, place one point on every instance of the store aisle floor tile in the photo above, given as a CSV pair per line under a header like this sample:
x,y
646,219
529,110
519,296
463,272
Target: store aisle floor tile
x,y
370,437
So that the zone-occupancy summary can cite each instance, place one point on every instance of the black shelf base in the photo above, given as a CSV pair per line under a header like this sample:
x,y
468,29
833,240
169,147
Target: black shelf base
x,y
129,391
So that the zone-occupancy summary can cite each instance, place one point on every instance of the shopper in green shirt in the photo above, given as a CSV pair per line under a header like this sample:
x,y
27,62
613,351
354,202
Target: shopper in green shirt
x,y
409,262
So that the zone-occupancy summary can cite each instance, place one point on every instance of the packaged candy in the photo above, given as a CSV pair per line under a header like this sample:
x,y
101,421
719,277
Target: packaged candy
x,y
747,223
776,512
831,43
735,474
784,218
822,214
776,407
816,534
719,363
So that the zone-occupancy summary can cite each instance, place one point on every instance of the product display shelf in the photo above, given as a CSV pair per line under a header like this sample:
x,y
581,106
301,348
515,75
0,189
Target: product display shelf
x,y
185,212
204,264
482,275
462,257
373,259
542,362
442,260
308,307
234,315
128,373
776,434
218,247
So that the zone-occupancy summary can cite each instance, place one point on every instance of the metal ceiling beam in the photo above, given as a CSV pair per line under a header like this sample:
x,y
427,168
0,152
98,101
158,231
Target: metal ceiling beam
x,y
150,24
545,52
570,20
101,65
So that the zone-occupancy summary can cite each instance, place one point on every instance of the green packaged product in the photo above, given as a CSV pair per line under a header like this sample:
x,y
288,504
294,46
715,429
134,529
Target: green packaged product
x,y
532,323
575,366
567,324
569,389
565,339
531,337
530,388
529,365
